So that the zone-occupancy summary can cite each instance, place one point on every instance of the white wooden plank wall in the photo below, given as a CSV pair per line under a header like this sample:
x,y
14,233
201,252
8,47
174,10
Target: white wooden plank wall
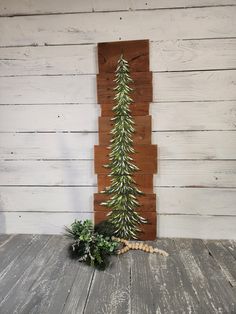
x,y
48,110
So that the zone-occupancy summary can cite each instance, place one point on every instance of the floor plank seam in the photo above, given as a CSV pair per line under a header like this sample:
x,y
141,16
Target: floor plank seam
x,y
69,291
228,277
89,291
229,250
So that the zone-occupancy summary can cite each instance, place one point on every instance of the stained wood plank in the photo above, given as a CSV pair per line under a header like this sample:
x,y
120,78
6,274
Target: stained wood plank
x,y
224,259
142,87
137,109
142,134
173,145
144,180
136,52
109,291
182,173
173,86
147,202
148,230
12,7
200,266
145,165
16,267
165,55
57,29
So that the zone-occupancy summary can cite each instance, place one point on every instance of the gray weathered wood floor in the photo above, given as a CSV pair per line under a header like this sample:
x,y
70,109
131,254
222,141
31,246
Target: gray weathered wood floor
x,y
36,276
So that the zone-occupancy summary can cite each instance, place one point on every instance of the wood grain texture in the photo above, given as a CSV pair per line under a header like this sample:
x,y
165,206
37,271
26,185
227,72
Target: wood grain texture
x,y
145,165
135,282
224,259
137,109
109,291
191,226
193,116
182,173
148,230
69,29
28,7
147,202
142,135
198,40
32,295
173,116
142,87
38,222
45,199
144,181
79,200
186,226
179,55
165,55
172,86
165,292
19,265
135,52
174,145
195,254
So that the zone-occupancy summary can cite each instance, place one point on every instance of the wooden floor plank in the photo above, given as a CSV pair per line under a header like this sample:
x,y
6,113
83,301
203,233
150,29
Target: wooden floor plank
x,y
224,259
11,249
32,290
110,289
16,267
4,238
231,246
210,285
76,300
38,277
159,284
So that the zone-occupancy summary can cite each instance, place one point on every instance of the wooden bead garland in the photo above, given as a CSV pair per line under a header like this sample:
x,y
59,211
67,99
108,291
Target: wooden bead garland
x,y
137,246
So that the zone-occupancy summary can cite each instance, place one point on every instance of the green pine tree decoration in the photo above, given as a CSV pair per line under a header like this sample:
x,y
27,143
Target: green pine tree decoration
x,y
123,191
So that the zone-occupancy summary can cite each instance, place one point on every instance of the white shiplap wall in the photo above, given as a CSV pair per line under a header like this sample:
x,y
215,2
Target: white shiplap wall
x,y
48,110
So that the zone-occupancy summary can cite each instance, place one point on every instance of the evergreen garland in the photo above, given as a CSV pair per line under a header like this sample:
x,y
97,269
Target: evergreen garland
x,y
123,191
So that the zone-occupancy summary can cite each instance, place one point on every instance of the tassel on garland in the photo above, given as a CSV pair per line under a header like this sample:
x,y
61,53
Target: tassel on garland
x,y
137,246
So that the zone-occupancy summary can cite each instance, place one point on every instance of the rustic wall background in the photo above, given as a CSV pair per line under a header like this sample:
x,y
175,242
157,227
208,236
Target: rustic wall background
x,y
48,110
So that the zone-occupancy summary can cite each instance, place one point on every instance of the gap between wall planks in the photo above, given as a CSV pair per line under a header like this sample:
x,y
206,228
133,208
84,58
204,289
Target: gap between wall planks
x,y
137,54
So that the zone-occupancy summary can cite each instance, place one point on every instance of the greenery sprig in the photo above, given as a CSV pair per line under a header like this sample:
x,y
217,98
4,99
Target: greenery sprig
x,y
90,246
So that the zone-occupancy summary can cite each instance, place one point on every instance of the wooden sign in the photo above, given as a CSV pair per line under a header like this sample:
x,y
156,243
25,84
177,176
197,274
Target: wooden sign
x,y
137,54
